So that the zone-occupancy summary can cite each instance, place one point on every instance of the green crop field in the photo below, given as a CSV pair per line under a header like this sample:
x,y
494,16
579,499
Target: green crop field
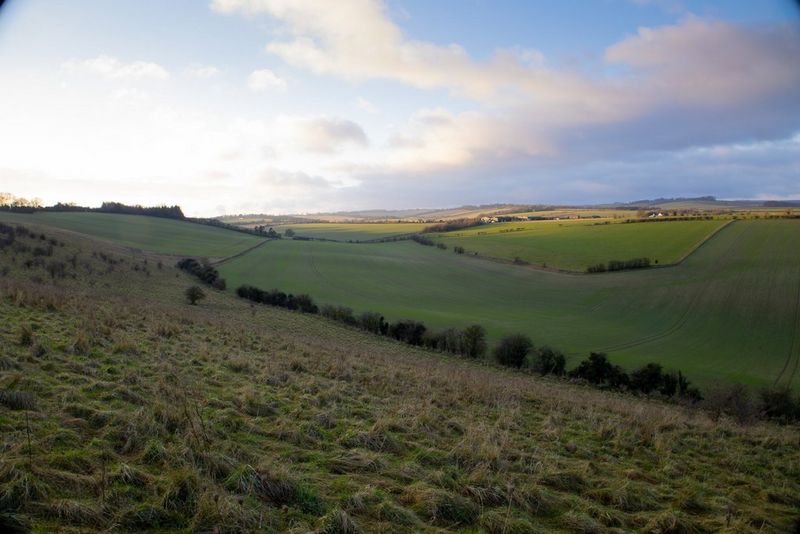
x,y
577,244
353,231
605,213
147,233
730,311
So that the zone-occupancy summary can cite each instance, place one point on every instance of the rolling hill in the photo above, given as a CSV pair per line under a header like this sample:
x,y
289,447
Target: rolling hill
x,y
123,408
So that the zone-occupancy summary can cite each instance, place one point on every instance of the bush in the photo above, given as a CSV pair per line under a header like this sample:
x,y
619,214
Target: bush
x,y
373,322
450,340
513,350
342,314
647,378
193,294
219,284
733,400
778,403
598,370
408,331
203,271
547,361
473,341
422,240
304,303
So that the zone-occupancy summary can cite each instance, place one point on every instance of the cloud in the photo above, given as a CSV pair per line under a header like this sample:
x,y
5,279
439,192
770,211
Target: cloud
x,y
322,134
203,71
692,83
114,69
265,79
366,105
711,63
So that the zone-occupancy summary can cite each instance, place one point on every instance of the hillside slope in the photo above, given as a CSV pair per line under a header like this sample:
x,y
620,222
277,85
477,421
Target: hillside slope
x,y
123,408
729,312
168,236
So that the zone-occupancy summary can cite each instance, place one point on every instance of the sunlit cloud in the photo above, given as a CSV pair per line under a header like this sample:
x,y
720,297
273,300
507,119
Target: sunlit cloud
x,y
115,69
264,80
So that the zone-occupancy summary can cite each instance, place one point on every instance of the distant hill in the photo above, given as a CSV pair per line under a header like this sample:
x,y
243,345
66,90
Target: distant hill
x,y
472,211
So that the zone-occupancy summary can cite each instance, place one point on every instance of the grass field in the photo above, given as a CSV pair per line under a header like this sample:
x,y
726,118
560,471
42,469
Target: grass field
x,y
353,231
729,312
577,244
146,233
124,409
605,213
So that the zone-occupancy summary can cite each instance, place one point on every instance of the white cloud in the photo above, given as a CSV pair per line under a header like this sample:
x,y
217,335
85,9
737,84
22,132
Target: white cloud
x,y
366,105
114,69
203,71
321,134
265,79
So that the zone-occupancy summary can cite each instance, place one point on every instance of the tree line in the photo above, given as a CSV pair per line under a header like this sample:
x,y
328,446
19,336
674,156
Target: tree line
x,y
204,271
449,226
619,265
517,351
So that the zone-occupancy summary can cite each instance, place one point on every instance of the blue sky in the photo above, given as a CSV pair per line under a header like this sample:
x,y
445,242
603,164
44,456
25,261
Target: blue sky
x,y
281,106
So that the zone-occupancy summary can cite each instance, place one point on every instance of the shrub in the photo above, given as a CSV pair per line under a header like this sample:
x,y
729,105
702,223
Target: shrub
x,y
647,378
408,331
513,350
203,271
373,322
473,341
219,284
193,294
598,370
302,302
778,403
547,361
449,340
422,240
342,314
57,269
733,400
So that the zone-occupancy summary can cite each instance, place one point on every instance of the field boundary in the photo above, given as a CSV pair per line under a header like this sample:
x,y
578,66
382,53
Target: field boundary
x,y
239,254
557,270
698,245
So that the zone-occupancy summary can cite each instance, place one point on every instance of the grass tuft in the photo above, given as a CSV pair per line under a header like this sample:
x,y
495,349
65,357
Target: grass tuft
x,y
338,522
18,400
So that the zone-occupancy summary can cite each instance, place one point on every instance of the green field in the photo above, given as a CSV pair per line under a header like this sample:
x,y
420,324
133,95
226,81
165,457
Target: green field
x,y
154,234
730,311
605,213
575,245
353,231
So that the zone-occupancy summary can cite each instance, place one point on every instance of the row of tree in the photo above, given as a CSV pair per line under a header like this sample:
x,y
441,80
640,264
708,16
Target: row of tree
x,y
167,212
449,226
650,378
204,271
619,265
427,241
516,351
302,302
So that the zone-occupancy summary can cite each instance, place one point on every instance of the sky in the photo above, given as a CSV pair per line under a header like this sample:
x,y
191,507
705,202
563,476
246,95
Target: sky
x,y
301,106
